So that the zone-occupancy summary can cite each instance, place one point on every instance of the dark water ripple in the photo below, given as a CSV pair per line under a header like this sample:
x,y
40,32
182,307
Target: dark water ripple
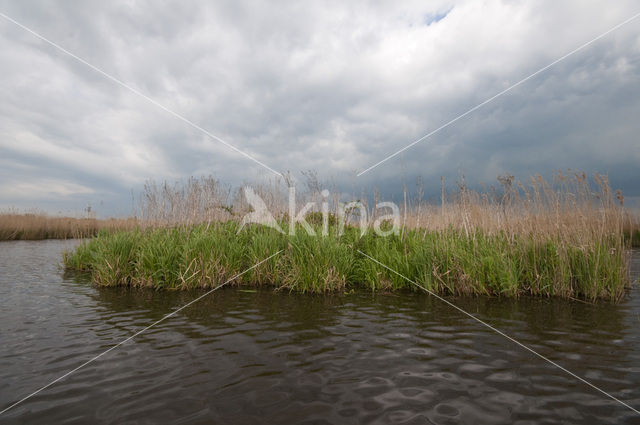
x,y
258,357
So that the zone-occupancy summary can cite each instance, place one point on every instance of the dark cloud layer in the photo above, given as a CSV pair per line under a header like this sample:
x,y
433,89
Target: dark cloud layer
x,y
333,87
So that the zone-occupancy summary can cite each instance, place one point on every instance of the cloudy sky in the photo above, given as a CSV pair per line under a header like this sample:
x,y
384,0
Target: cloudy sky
x,y
327,86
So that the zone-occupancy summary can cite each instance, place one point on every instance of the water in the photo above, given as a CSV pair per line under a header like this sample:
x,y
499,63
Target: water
x,y
258,357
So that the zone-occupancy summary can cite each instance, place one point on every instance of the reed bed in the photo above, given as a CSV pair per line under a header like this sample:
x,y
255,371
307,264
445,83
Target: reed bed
x,y
562,238
36,226
445,262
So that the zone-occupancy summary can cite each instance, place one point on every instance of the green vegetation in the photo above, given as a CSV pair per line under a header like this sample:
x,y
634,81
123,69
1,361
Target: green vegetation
x,y
565,238
447,262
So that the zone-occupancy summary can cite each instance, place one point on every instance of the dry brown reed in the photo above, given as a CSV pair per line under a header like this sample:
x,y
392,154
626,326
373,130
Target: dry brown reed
x,y
191,202
35,226
570,208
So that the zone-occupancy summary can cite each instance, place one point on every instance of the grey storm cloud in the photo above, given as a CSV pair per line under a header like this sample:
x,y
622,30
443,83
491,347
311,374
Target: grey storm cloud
x,y
334,87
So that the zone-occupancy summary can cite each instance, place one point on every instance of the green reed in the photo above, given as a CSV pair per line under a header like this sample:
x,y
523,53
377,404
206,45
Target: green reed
x,y
449,261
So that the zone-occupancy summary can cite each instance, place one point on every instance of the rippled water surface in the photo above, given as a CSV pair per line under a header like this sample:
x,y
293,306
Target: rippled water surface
x,y
242,356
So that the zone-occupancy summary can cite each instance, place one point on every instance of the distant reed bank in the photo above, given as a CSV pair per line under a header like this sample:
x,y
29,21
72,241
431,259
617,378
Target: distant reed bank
x,y
17,226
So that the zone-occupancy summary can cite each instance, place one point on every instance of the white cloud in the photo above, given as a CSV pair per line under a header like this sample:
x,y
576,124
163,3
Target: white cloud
x,y
42,189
